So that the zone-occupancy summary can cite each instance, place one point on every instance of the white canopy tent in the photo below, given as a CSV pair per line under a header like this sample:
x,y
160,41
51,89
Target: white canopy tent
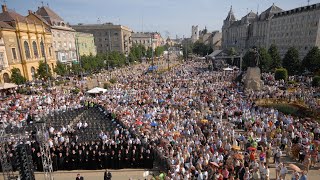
x,y
96,90
227,69
7,86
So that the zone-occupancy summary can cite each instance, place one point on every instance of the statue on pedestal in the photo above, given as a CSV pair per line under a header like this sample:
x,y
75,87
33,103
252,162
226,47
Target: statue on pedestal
x,y
256,60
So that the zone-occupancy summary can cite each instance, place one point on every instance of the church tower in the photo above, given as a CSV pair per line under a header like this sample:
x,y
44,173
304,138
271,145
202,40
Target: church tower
x,y
225,28
195,33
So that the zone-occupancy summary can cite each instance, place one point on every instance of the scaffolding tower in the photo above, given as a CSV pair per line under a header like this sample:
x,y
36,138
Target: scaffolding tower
x,y
5,161
42,138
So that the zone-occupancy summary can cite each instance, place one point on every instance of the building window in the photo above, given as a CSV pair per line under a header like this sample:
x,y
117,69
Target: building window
x,y
1,61
26,49
35,49
33,73
6,78
14,53
50,53
42,49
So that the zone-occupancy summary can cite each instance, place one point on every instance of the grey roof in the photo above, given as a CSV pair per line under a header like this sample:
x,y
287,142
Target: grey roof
x,y
270,12
249,18
215,53
49,15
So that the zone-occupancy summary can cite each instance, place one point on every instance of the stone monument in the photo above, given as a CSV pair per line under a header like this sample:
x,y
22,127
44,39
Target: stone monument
x,y
252,78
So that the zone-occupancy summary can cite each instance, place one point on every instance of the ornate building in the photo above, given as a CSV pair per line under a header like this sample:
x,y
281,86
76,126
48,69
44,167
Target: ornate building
x,y
27,41
298,27
85,44
108,37
63,35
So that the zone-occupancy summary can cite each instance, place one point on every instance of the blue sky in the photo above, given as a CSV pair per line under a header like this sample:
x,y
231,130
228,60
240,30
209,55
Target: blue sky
x,y
170,17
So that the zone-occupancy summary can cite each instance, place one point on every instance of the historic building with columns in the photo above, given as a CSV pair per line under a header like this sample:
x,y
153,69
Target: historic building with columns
x,y
298,27
26,41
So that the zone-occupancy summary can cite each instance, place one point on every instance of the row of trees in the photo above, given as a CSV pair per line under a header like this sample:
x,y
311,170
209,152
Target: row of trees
x,y
270,60
198,48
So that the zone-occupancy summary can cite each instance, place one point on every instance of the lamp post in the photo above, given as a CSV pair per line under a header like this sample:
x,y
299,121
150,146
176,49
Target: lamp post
x,y
79,58
168,60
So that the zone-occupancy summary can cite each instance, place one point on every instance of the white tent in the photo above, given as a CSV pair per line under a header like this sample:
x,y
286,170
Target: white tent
x,y
7,86
227,69
96,90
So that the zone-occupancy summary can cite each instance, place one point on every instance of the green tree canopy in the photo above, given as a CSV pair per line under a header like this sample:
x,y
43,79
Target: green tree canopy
x,y
43,71
311,61
281,73
291,61
265,60
248,56
159,50
201,49
275,57
16,77
60,69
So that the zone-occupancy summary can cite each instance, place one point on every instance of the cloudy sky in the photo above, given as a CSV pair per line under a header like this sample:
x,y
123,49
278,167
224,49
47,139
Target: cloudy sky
x,y
170,17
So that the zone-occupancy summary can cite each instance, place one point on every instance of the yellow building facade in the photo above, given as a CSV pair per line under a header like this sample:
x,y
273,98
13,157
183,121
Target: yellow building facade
x,y
27,41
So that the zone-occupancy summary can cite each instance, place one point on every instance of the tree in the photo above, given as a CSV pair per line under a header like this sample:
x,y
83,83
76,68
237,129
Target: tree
x,y
291,61
275,57
311,61
201,49
281,73
265,60
187,49
43,72
159,51
75,68
60,69
16,77
248,56
149,52
316,81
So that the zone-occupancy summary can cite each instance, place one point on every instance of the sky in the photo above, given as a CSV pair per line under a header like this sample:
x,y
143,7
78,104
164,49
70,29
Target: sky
x,y
169,17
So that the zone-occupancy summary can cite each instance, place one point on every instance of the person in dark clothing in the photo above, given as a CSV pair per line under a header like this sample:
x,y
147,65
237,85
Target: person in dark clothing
x,y
60,162
73,160
126,159
67,162
93,161
54,162
79,177
107,175
86,160
80,160
39,162
113,160
100,160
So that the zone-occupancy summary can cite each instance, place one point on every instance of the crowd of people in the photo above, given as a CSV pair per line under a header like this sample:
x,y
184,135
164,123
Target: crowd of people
x,y
200,123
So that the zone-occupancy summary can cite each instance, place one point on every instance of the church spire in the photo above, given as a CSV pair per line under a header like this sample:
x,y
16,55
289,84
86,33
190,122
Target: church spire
x,y
230,16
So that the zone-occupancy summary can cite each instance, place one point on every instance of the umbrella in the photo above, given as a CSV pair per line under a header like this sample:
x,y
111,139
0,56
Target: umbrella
x,y
238,156
251,148
204,121
294,167
237,148
153,124
147,116
139,123
214,164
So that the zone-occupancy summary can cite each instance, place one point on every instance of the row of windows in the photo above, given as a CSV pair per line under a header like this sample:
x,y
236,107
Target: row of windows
x,y
28,52
288,34
64,45
302,18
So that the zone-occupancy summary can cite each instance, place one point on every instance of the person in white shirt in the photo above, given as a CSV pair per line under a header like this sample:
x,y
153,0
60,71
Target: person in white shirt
x,y
85,124
79,125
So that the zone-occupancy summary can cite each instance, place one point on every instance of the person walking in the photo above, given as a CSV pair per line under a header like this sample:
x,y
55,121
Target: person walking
x,y
79,177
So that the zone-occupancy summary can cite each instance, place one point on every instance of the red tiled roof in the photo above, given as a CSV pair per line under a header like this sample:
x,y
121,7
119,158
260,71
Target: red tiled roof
x,y
49,15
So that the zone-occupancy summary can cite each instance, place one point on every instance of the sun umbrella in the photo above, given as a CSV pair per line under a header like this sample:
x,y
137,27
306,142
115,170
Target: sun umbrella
x,y
251,148
214,164
153,124
294,167
237,148
139,123
204,121
238,156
